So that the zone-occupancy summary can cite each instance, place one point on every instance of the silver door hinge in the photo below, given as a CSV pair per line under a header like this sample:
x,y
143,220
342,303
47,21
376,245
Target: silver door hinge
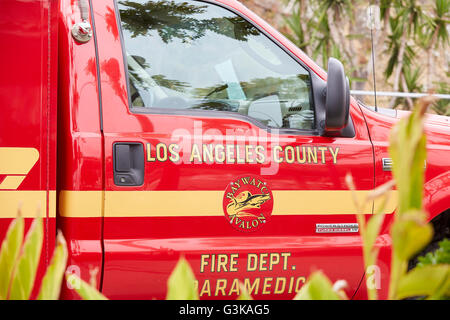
x,y
82,31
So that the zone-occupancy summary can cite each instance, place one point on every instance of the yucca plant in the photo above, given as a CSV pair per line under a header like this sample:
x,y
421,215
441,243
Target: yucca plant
x,y
433,35
410,83
19,261
442,106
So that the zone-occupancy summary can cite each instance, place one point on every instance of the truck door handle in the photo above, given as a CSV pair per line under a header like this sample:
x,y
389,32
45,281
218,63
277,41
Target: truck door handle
x,y
128,163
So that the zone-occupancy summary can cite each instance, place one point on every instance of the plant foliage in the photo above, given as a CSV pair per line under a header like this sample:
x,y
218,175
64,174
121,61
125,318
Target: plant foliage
x,y
19,261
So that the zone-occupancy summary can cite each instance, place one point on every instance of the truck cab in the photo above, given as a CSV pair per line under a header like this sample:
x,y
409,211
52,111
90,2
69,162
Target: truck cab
x,y
149,130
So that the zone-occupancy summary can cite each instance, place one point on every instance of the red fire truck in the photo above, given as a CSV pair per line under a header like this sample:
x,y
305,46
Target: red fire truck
x,y
147,129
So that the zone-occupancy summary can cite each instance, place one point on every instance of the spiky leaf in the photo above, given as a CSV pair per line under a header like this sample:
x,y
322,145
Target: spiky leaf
x,y
9,254
181,284
84,289
51,282
410,234
244,293
372,231
408,152
318,287
25,272
432,281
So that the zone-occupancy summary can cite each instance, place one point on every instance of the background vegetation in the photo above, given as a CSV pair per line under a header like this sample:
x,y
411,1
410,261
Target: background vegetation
x,y
410,44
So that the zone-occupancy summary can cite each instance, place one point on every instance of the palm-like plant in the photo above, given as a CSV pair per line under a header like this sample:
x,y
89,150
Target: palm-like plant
x,y
405,25
322,34
409,30
434,34
442,106
410,83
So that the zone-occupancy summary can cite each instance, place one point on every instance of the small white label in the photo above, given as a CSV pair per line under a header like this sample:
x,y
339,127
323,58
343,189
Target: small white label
x,y
337,227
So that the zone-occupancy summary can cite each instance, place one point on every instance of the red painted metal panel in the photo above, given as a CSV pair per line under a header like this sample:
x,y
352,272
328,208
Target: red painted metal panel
x,y
28,114
80,158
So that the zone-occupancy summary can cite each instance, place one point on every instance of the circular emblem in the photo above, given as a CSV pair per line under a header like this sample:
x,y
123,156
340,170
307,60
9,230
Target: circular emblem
x,y
248,203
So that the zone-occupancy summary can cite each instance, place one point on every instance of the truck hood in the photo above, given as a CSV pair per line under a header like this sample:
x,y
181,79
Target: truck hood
x,y
430,118
381,122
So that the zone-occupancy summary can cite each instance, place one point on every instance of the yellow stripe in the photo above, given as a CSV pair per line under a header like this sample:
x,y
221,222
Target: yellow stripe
x,y
205,203
11,182
175,203
17,160
52,204
311,202
80,203
30,202
163,203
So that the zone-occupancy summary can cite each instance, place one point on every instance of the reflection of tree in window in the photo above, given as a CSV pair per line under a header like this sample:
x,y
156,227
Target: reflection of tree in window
x,y
174,20
196,55
286,88
160,79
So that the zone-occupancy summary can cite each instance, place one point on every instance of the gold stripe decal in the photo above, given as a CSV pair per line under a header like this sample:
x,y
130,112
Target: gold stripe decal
x,y
30,203
52,203
80,204
16,163
206,203
163,203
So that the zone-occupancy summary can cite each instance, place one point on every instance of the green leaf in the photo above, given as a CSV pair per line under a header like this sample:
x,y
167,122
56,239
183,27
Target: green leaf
x,y
9,254
410,234
244,293
25,273
372,230
432,281
439,256
51,282
84,289
181,284
318,287
408,152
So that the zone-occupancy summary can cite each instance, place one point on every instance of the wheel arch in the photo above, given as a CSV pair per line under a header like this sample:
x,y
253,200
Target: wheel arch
x,y
437,196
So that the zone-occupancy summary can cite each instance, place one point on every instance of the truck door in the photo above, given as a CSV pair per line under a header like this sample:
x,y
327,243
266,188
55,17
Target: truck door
x,y
213,151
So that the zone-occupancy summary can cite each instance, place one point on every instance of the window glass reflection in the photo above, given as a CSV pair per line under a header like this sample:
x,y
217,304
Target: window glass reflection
x,y
195,55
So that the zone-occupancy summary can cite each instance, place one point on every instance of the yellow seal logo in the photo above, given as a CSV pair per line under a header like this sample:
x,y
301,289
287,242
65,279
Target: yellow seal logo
x,y
248,203
244,201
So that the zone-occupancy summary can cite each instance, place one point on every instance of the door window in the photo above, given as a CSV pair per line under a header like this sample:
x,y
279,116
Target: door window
x,y
198,56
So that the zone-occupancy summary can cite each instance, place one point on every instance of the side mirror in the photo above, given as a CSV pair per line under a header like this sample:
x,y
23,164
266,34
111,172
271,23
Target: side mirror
x,y
337,98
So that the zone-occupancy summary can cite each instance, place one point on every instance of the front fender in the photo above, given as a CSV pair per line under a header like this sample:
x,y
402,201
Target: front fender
x,y
437,195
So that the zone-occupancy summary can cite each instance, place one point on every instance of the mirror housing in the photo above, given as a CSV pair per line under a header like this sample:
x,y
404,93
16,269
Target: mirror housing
x,y
337,103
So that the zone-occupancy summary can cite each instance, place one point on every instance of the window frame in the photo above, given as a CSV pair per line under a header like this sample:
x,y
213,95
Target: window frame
x,y
225,114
